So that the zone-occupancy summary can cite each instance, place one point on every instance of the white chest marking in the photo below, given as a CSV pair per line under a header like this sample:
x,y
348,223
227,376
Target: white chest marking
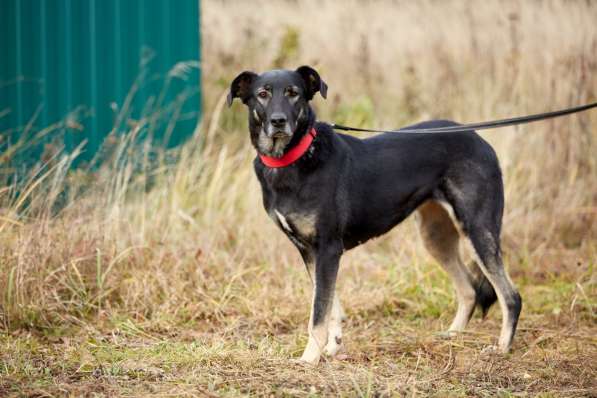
x,y
283,221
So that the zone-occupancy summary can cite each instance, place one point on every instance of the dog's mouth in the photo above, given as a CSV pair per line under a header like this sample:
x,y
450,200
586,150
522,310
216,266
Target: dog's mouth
x,y
280,134
275,144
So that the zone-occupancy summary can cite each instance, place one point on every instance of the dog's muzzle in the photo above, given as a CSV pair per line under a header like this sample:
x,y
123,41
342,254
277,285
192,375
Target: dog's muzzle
x,y
280,134
273,140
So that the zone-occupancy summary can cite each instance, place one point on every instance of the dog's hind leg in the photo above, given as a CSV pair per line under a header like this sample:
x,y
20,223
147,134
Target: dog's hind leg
x,y
487,248
441,238
480,207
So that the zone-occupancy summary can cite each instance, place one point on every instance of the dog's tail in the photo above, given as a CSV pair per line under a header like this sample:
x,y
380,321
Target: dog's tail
x,y
485,293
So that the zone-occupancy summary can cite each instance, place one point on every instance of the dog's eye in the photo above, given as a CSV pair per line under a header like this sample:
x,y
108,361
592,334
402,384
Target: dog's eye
x,y
262,94
291,93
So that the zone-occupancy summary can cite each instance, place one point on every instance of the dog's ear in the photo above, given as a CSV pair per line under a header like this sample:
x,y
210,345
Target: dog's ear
x,y
240,87
313,82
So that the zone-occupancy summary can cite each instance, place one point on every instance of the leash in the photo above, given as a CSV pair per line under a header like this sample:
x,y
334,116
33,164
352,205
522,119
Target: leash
x,y
479,126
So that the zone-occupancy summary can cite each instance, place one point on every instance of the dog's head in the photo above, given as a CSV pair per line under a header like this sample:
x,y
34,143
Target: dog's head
x,y
278,102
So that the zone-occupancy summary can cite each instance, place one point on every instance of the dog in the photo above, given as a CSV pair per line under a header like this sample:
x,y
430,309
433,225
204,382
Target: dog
x,y
330,192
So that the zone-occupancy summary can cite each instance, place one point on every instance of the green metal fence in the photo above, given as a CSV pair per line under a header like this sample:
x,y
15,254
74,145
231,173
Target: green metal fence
x,y
100,66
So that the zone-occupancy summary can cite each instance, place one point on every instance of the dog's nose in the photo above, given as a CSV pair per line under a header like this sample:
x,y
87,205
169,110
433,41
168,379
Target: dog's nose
x,y
278,119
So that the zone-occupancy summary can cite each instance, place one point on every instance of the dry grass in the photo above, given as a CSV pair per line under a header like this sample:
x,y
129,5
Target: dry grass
x,y
168,278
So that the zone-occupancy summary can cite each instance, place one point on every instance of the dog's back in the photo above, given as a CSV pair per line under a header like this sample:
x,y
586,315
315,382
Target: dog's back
x,y
392,174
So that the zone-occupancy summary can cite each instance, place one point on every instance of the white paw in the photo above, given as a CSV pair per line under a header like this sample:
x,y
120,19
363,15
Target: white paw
x,y
301,362
495,350
333,346
307,359
490,350
446,334
312,353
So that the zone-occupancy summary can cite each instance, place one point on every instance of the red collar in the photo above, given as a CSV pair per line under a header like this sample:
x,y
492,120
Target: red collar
x,y
293,154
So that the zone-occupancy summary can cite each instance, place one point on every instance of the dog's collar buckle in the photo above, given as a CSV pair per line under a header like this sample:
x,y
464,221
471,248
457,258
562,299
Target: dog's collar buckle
x,y
293,154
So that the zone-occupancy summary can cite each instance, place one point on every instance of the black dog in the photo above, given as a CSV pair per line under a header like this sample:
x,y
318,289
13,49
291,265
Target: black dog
x,y
330,192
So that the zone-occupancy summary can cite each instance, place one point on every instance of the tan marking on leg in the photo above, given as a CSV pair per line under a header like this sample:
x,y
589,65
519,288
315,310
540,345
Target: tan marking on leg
x,y
442,240
465,295
504,288
335,328
318,336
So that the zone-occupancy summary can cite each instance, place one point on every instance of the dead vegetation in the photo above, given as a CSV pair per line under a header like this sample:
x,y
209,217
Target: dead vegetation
x,y
168,279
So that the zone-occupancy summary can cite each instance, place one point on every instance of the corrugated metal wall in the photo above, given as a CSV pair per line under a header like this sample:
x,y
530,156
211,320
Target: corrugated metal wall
x,y
91,58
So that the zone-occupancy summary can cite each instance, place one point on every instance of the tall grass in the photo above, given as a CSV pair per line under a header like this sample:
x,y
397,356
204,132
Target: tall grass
x,y
188,241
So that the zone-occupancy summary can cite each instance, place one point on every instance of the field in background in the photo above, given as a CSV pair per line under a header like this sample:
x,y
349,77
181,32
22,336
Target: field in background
x,y
152,277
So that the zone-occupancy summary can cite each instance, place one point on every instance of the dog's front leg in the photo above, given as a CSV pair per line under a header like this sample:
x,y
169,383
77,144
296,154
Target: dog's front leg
x,y
337,314
335,328
324,284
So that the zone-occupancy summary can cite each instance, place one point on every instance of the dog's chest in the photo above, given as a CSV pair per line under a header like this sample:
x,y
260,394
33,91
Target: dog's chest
x,y
289,206
300,226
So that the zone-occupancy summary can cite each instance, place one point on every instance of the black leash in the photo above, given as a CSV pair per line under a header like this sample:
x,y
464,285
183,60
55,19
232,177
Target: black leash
x,y
479,126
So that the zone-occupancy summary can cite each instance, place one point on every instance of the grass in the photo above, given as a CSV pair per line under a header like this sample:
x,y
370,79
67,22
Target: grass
x,y
392,348
154,277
